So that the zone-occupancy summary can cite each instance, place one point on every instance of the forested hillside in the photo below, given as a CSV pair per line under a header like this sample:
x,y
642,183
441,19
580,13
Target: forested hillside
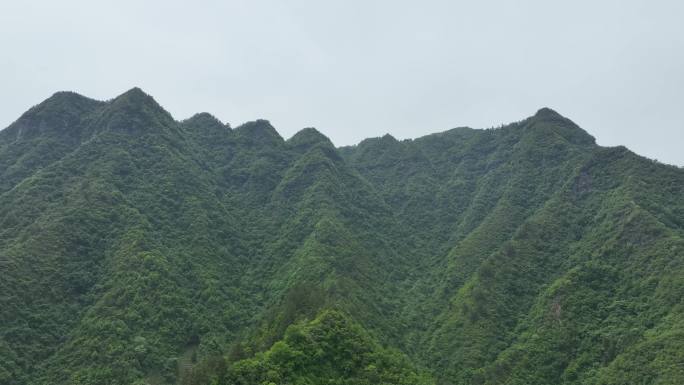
x,y
137,249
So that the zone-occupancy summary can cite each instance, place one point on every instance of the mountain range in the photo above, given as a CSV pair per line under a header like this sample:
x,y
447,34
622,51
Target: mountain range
x,y
138,249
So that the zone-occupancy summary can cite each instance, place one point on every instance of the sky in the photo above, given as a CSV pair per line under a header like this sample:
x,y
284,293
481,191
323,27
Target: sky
x,y
358,69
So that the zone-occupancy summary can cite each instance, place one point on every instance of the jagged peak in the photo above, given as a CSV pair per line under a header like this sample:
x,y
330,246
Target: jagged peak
x,y
70,95
388,137
62,101
135,110
548,115
136,96
546,118
136,100
385,140
135,91
203,120
256,124
204,116
259,131
61,111
546,112
308,137
308,132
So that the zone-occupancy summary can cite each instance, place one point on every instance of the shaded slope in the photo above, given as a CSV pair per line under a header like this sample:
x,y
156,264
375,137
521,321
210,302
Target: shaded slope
x,y
44,134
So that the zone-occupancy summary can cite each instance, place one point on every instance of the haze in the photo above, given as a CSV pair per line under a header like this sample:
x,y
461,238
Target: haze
x,y
357,69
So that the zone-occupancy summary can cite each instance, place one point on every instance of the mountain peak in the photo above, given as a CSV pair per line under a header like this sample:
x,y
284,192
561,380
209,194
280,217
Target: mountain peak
x,y
204,119
307,138
548,120
62,101
66,96
259,131
546,112
384,141
61,112
136,95
135,91
135,110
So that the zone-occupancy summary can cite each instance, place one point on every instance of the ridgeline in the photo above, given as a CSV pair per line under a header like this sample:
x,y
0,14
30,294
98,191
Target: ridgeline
x,y
137,249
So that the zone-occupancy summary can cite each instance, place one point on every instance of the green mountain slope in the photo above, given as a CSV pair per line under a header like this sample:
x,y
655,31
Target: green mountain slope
x,y
138,249
330,349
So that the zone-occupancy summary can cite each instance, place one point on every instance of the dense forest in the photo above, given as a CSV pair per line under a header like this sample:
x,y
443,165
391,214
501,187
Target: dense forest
x,y
138,249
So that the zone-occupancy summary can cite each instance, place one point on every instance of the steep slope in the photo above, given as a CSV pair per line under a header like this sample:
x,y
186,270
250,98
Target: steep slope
x,y
619,291
110,245
530,222
138,249
43,135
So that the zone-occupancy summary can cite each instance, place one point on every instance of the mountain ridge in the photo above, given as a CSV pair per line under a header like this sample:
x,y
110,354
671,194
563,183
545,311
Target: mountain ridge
x,y
142,249
138,96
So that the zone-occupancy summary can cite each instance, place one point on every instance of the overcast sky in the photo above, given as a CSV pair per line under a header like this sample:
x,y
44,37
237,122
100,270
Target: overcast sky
x,y
357,69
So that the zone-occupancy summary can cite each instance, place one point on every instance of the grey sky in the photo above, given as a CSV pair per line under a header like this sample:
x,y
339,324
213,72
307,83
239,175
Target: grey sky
x,y
357,69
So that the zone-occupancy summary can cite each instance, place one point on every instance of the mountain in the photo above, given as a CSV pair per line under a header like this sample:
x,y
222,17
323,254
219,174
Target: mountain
x,y
137,249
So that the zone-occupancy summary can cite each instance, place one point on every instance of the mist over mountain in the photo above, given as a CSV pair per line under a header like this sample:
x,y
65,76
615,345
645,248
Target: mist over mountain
x,y
137,249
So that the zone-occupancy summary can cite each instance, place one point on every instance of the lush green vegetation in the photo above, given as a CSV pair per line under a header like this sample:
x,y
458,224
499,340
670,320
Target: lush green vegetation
x,y
138,249
331,349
